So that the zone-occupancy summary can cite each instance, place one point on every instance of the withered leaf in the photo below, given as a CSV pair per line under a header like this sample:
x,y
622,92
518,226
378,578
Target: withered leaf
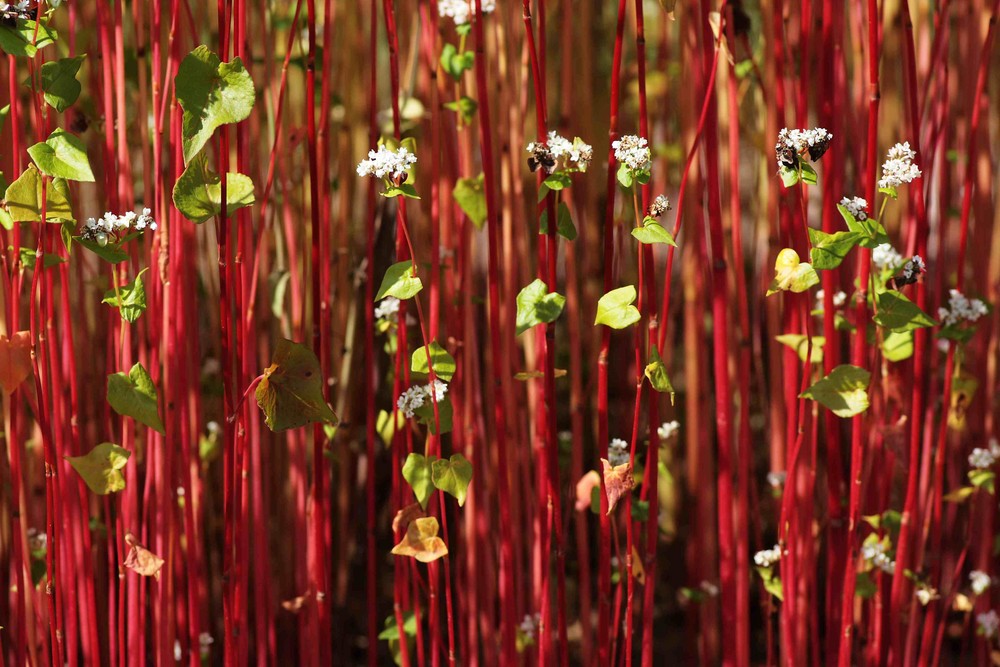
x,y
141,560
421,541
618,481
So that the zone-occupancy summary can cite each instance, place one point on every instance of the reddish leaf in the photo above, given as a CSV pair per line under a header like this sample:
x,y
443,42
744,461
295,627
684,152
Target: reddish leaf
x,y
15,360
406,515
618,481
584,489
141,560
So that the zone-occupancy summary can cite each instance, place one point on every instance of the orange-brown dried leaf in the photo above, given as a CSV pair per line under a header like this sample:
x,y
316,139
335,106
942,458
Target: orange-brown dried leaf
x,y
618,481
406,515
295,604
421,541
585,489
15,360
141,560
638,571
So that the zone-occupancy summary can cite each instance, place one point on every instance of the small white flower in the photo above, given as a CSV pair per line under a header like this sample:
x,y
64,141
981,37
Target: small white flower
x,y
181,492
767,557
383,163
795,144
557,153
913,269
416,396
961,309
776,478
618,453
988,622
460,11
530,625
111,227
898,167
667,429
387,308
982,459
856,206
178,652
885,256
631,151
213,427
659,206
877,556
926,593
710,589
979,581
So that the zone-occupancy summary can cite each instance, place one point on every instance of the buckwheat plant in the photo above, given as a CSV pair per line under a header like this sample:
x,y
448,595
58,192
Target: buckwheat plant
x,y
393,166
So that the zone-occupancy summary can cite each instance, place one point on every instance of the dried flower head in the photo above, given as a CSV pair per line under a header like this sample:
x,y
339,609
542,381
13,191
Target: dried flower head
x,y
659,206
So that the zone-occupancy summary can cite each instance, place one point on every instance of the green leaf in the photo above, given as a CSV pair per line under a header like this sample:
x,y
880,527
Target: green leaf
x,y
982,479
656,371
897,313
442,363
6,221
417,472
799,343
564,223
212,93
844,391
291,391
789,177
791,275
535,305
452,476
872,232
445,415
809,176
399,282
470,195
864,587
112,253
198,191
454,63
62,155
59,84
401,190
465,107
130,300
101,468
30,255
134,395
386,425
898,346
24,198
614,309
829,250
772,585
625,176
557,181
21,40
392,630
653,232
892,192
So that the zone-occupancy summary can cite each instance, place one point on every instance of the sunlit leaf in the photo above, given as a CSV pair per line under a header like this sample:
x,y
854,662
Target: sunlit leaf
x,y
656,371
470,195
291,391
653,232
101,468
982,479
445,414
442,362
421,541
134,395
15,360
130,299
452,476
59,84
618,481
62,155
615,308
141,560
829,250
24,38
898,346
791,275
536,305
799,343
417,472
871,232
844,391
564,223
897,313
198,192
24,198
399,282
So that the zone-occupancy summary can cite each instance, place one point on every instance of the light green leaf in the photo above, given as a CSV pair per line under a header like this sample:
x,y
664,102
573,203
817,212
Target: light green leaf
x,y
59,84
130,300
982,479
399,282
798,342
101,468
871,231
212,93
134,395
445,415
470,195
442,363
24,198
465,107
291,392
564,223
615,308
829,250
21,39
112,253
844,391
809,176
417,472
653,232
625,176
791,275
656,371
897,313
789,177
198,192
6,221
535,305
898,346
452,476
401,190
62,155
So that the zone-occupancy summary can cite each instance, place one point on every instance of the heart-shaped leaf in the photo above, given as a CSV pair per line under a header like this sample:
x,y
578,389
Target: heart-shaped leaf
x,y
141,560
134,395
101,468
656,371
59,84
653,232
535,305
62,155
844,391
898,314
417,472
290,394
130,299
871,232
198,192
790,274
618,481
421,541
24,38
564,222
15,360
399,282
445,415
898,346
452,476
212,93
470,195
799,343
24,198
829,250
615,308
442,363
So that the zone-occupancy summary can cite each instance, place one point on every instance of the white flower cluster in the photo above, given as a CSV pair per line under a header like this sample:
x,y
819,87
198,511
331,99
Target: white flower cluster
x,y
926,593
961,309
885,257
983,458
876,555
839,299
18,10
710,589
913,268
387,308
558,152
659,206
384,162
111,227
793,144
530,625
979,581
461,11
776,478
988,622
898,167
667,429
414,398
618,453
632,151
856,206
767,557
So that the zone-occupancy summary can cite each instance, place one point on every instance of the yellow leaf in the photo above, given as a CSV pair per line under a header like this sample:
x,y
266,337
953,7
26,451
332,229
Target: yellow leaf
x,y
421,541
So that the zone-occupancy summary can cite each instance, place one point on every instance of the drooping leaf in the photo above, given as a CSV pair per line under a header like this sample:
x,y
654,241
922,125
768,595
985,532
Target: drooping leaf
x,y
653,232
23,39
442,362
134,395
417,473
656,371
470,195
198,192
799,343
290,394
564,222
24,198
615,308
790,274
618,481
101,468
829,250
141,560
59,84
452,476
536,305
62,155
421,541
15,360
897,313
399,282
212,93
844,391
130,299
